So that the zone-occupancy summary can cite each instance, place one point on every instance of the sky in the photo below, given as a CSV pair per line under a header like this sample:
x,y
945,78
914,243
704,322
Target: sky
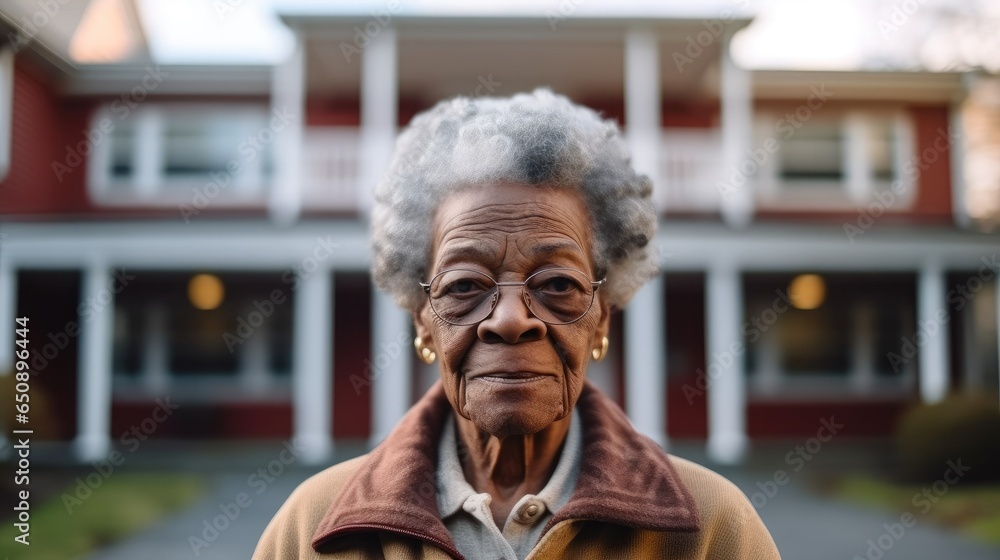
x,y
794,34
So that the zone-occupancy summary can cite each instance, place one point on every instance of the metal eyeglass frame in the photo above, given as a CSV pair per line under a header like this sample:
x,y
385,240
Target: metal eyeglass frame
x,y
496,299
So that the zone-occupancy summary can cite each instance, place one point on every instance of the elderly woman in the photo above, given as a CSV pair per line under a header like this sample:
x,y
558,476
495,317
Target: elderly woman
x,y
512,229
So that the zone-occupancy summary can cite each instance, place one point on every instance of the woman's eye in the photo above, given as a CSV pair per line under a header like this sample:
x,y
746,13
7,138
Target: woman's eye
x,y
560,284
462,287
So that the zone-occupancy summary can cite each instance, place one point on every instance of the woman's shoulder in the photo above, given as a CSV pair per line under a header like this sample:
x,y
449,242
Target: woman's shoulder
x,y
327,481
290,532
725,513
706,485
714,494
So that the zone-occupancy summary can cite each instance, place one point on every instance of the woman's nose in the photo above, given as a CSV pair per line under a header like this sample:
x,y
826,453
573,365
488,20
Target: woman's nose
x,y
511,321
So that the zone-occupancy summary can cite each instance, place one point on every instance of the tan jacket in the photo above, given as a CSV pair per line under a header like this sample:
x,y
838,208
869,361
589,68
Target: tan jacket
x,y
630,501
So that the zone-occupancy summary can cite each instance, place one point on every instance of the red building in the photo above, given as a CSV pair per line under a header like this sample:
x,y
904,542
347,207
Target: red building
x,y
200,233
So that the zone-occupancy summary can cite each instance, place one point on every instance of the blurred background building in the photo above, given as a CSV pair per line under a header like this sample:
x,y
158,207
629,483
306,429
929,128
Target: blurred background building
x,y
199,232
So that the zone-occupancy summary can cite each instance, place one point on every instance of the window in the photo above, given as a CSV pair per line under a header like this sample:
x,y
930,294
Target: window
x,y
849,339
836,160
122,152
164,153
814,153
167,337
882,145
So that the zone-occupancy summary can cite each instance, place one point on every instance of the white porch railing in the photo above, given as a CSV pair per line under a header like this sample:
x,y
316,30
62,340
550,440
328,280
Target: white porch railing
x,y
331,160
690,165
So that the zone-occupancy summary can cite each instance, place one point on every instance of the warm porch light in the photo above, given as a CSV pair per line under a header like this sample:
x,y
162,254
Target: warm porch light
x,y
807,291
205,291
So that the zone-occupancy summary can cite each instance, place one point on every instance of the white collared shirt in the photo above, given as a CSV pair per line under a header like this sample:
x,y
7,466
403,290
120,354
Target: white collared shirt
x,y
467,515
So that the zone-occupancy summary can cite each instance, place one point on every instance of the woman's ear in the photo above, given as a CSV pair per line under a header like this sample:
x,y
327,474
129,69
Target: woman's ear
x,y
422,326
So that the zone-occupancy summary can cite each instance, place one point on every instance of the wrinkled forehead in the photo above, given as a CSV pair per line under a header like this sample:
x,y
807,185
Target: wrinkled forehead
x,y
498,225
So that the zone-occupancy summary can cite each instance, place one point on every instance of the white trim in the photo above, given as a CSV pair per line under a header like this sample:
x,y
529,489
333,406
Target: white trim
x,y
312,367
692,246
645,361
856,158
288,96
93,440
736,116
933,354
642,106
148,157
379,111
727,433
906,151
390,365
8,312
6,109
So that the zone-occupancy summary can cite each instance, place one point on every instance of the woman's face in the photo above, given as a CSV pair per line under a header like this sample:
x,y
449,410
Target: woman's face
x,y
512,374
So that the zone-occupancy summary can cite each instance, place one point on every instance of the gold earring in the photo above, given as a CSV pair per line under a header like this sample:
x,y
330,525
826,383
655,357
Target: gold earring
x,y
598,353
426,354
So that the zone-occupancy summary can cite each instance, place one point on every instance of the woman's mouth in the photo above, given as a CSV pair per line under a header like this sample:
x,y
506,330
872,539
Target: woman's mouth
x,y
511,377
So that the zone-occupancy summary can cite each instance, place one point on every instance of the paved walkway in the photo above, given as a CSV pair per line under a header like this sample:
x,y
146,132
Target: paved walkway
x,y
808,527
804,526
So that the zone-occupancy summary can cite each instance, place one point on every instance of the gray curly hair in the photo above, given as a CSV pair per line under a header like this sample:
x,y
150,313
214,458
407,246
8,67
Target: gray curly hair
x,y
537,139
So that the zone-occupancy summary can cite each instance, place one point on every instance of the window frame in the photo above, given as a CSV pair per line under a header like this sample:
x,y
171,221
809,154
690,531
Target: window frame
x,y
860,185
149,184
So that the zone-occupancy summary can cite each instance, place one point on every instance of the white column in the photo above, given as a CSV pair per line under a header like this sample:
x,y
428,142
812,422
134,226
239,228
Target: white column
x,y
736,100
727,438
391,364
8,313
288,87
933,356
93,440
642,107
312,368
645,367
379,106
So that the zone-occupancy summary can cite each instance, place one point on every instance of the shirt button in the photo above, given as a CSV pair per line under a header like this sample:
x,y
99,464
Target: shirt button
x,y
529,512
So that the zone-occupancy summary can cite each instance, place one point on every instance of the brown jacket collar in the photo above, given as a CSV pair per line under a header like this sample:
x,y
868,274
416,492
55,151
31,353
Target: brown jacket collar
x,y
625,479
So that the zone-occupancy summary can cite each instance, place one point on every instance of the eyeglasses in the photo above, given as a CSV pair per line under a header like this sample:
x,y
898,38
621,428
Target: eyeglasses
x,y
556,296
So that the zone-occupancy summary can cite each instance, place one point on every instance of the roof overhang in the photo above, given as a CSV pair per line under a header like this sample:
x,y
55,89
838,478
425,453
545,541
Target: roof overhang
x,y
911,86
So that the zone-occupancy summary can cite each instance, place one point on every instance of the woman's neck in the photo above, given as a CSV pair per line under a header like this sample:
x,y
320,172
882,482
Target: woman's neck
x,y
511,467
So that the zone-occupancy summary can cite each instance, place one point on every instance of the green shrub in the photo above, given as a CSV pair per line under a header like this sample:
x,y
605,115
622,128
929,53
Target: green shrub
x,y
961,426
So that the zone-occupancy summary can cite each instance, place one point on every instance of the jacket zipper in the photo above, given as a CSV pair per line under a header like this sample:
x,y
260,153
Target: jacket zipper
x,y
357,527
